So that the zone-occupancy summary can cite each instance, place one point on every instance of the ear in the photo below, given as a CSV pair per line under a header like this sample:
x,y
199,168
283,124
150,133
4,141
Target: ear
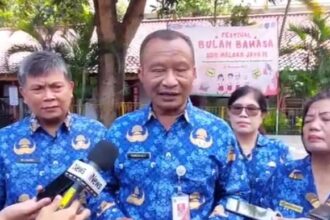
x,y
23,93
71,87
140,74
194,72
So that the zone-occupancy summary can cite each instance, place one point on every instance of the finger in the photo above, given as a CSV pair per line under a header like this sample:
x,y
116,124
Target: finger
x,y
40,188
85,214
75,205
43,202
55,203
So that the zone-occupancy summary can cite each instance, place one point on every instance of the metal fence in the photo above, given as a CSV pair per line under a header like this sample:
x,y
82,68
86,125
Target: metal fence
x,y
289,119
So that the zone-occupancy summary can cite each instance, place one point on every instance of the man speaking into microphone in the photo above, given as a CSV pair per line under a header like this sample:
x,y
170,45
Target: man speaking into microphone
x,y
172,155
37,149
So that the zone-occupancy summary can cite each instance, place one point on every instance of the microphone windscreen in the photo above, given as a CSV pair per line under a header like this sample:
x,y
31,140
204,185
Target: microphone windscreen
x,y
103,155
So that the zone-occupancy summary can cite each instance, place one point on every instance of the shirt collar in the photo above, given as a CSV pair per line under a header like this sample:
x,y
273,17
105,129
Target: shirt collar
x,y
261,140
149,113
34,124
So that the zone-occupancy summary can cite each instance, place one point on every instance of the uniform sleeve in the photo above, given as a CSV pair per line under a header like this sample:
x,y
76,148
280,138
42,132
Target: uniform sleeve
x,y
232,182
2,183
2,173
105,206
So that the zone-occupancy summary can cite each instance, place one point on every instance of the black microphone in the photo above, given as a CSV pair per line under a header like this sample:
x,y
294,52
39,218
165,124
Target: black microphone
x,y
86,175
57,187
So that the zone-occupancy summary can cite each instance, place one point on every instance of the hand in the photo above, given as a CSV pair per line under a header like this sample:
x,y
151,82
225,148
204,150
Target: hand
x,y
71,213
24,210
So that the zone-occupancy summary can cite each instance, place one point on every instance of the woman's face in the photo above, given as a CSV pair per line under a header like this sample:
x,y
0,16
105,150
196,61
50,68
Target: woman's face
x,y
245,115
316,130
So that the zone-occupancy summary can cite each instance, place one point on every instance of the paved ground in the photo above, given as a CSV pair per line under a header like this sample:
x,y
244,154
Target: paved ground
x,y
295,144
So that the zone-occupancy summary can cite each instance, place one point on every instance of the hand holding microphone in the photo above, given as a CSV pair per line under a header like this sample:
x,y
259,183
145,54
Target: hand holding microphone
x,y
51,211
83,176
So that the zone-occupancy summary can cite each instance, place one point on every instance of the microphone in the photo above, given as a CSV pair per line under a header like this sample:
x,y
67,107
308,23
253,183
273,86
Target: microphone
x,y
320,213
86,175
57,187
249,210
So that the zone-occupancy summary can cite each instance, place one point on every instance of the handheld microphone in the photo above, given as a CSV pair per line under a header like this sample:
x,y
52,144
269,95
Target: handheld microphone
x,y
86,175
320,213
249,210
57,187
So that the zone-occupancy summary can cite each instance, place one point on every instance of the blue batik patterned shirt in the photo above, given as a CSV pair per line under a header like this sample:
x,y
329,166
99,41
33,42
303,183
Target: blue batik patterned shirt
x,y
292,191
29,156
199,147
261,163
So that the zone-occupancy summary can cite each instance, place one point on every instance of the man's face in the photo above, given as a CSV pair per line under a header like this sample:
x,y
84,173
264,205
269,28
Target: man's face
x,y
48,96
167,73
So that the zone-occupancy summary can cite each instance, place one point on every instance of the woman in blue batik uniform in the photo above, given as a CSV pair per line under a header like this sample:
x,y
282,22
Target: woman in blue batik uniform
x,y
302,185
247,108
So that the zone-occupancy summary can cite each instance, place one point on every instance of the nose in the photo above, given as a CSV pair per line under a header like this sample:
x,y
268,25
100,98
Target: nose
x,y
314,125
170,79
49,95
243,113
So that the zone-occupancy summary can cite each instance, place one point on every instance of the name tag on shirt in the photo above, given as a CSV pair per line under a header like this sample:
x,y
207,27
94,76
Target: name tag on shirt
x,y
28,160
139,155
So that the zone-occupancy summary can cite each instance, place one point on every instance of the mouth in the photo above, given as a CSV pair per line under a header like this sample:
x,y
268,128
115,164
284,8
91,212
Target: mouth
x,y
243,123
49,108
168,93
314,138
168,96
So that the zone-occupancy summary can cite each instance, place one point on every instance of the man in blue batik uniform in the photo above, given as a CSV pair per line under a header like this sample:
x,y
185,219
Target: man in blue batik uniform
x,y
172,155
40,147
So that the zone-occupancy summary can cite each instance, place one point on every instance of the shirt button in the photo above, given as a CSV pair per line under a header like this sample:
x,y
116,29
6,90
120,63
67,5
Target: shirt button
x,y
121,166
152,164
168,155
41,173
55,162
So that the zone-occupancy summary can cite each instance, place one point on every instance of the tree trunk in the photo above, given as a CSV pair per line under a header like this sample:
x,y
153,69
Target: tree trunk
x,y
283,23
114,38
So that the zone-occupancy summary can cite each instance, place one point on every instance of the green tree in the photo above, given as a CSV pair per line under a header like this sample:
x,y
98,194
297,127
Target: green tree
x,y
314,38
239,16
191,8
72,22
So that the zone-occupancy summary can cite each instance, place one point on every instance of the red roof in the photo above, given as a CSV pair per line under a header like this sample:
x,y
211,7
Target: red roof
x,y
295,61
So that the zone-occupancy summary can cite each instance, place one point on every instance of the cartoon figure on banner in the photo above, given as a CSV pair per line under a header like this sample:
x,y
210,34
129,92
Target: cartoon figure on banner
x,y
221,84
267,69
230,83
245,80
237,80
204,86
211,72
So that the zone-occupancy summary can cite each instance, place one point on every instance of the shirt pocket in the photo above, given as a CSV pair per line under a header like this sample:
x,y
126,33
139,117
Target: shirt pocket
x,y
134,170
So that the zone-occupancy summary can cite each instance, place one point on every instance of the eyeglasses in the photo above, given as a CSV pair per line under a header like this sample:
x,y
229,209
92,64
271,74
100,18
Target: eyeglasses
x,y
251,110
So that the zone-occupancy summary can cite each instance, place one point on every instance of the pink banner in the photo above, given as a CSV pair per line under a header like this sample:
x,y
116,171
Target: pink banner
x,y
231,57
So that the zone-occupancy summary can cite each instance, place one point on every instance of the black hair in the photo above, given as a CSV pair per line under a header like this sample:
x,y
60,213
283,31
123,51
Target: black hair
x,y
243,91
168,35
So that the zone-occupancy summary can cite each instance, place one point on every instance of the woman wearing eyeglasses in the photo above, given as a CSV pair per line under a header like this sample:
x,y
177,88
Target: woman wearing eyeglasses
x,y
247,107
